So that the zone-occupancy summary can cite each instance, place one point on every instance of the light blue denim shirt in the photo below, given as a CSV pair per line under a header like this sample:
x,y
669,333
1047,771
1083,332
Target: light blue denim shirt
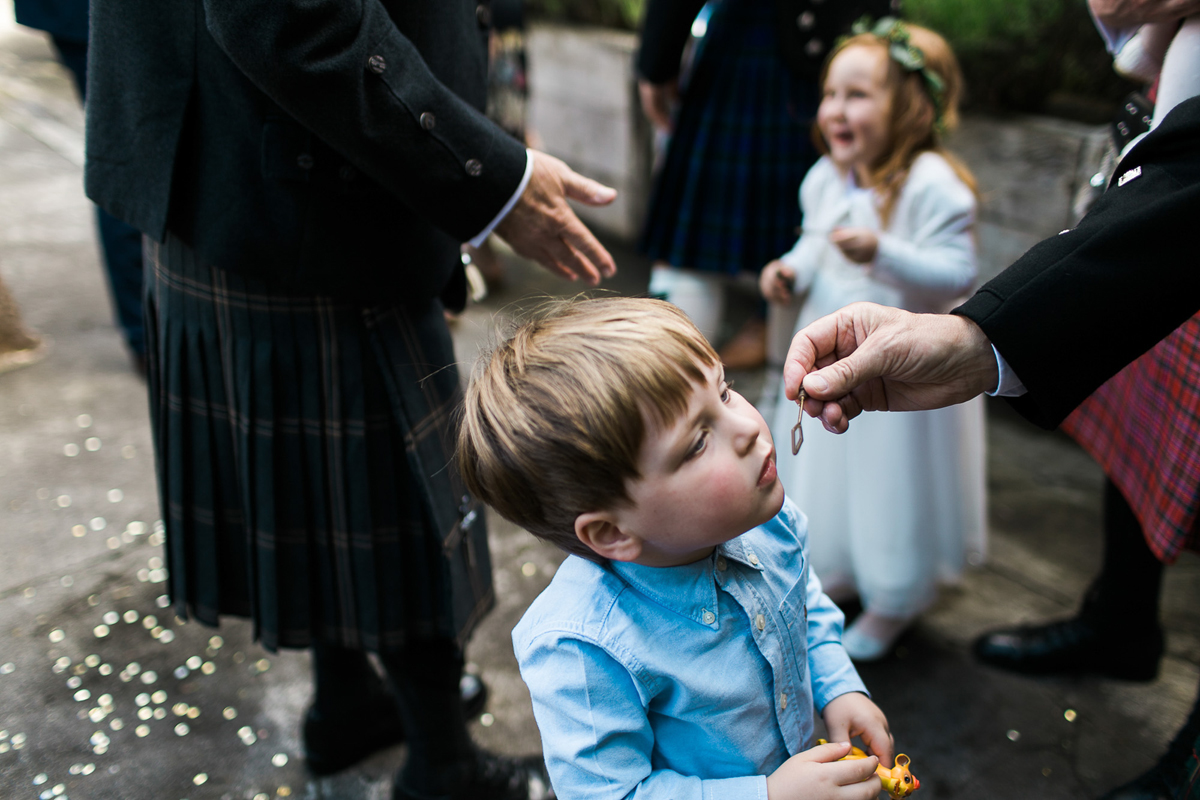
x,y
683,682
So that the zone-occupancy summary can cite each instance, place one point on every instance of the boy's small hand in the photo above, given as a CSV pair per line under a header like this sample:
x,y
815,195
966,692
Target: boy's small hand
x,y
776,281
817,774
853,714
860,245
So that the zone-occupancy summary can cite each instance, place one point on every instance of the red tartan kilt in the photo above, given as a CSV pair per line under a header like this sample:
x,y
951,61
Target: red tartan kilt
x,y
1143,428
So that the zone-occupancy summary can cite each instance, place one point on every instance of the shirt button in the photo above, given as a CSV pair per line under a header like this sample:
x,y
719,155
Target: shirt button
x,y
753,559
376,64
782,700
722,564
814,48
428,121
759,622
709,618
304,161
806,20
483,15
473,167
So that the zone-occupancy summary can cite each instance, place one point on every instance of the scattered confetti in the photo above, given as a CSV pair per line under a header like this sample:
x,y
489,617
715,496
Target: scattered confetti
x,y
487,720
1069,715
529,569
84,420
115,495
70,450
1013,735
92,444
57,635
279,759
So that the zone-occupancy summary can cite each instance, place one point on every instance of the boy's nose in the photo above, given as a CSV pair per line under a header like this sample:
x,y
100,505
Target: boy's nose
x,y
747,434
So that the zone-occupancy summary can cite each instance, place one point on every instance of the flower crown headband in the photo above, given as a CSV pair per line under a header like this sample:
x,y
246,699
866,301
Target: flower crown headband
x,y
910,57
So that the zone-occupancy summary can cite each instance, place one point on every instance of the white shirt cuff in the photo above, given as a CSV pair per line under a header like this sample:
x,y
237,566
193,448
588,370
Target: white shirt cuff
x,y
512,201
1009,385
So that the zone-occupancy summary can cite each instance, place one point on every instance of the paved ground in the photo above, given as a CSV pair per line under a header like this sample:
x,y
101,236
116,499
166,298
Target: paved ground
x,y
104,694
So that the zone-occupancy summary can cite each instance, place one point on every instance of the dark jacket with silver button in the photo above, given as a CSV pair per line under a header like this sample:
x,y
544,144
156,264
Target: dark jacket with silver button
x,y
807,30
337,146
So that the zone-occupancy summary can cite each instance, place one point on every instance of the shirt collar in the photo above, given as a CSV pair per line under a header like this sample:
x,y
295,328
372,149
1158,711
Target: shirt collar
x,y
689,590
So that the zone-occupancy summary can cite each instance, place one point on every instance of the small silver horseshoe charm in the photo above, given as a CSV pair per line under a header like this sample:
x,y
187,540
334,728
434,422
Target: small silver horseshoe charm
x,y
797,432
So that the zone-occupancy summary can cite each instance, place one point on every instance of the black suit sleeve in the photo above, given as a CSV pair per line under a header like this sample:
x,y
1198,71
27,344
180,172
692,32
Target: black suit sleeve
x,y
344,70
1078,307
665,30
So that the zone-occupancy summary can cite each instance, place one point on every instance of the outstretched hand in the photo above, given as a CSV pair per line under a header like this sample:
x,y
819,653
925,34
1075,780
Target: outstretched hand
x,y
867,357
817,774
543,227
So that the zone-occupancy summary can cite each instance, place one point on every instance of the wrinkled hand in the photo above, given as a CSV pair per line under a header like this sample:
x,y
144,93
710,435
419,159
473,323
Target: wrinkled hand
x,y
853,714
858,244
1120,14
657,101
543,227
874,358
817,774
776,281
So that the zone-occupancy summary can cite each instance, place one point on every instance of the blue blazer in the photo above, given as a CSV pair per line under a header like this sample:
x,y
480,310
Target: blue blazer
x,y
333,146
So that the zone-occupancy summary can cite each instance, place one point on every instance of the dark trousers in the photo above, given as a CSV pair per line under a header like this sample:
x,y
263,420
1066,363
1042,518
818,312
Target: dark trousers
x,y
121,243
423,679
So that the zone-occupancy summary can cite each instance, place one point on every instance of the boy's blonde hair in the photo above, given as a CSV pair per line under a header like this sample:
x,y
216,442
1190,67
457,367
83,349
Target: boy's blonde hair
x,y
555,416
915,126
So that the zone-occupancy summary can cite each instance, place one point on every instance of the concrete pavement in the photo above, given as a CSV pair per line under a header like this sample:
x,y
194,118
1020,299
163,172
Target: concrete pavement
x,y
104,694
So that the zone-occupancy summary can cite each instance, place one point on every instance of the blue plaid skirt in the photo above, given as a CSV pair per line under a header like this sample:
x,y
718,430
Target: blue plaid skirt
x,y
727,196
303,453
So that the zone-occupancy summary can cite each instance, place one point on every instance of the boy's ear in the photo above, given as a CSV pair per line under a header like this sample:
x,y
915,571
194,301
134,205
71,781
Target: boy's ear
x,y
599,531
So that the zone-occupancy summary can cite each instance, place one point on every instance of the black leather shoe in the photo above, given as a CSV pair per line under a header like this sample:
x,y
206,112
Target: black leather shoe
x,y
490,777
1150,785
1080,644
332,744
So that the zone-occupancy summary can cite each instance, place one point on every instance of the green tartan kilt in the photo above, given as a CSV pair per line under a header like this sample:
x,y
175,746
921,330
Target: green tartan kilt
x,y
304,455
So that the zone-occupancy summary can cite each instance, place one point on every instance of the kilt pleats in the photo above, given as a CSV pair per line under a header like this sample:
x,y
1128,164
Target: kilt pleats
x,y
727,196
300,486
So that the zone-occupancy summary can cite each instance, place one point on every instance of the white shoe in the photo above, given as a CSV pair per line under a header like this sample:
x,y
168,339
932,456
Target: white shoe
x,y
862,645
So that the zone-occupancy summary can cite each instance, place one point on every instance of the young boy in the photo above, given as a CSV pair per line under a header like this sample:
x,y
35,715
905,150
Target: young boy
x,y
680,649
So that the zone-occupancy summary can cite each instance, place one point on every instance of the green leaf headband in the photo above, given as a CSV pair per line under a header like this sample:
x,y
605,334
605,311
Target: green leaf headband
x,y
910,57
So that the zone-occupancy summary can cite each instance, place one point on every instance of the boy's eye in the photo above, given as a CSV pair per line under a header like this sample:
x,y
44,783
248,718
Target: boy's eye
x,y
700,444
726,392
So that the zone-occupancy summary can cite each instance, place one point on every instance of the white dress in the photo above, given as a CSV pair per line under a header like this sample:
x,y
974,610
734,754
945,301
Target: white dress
x,y
897,502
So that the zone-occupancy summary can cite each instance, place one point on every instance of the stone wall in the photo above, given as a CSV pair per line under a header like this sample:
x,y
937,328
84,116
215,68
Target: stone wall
x,y
583,108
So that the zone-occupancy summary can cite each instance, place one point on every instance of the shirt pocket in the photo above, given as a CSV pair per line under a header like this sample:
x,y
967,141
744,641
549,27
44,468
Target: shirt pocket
x,y
794,606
